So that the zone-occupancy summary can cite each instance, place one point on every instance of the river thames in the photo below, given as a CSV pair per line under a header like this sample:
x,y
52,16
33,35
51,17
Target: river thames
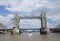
x,y
30,37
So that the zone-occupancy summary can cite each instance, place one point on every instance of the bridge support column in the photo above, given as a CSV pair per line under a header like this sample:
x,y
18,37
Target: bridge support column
x,y
16,21
43,29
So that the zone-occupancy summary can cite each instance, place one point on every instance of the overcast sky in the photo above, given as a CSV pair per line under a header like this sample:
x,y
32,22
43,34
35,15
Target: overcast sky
x,y
30,8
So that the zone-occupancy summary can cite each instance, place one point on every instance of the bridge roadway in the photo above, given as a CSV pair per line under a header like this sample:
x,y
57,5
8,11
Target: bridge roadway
x,y
24,30
30,29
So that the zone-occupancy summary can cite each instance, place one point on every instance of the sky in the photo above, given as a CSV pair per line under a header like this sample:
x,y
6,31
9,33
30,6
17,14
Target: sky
x,y
30,8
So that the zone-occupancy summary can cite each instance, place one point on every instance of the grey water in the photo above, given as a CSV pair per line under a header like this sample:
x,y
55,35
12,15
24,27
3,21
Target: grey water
x,y
30,37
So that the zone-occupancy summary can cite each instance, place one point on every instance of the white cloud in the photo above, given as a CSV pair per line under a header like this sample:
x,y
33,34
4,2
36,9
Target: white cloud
x,y
20,6
24,5
28,5
26,23
31,6
5,20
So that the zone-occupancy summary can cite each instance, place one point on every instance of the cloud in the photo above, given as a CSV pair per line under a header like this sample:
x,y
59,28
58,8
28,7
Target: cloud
x,y
28,5
32,8
24,5
5,19
34,23
18,5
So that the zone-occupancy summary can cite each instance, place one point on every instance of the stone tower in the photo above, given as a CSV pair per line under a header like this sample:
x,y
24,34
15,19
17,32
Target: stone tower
x,y
16,20
43,29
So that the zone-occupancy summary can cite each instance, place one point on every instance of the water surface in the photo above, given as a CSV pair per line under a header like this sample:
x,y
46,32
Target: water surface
x,y
30,37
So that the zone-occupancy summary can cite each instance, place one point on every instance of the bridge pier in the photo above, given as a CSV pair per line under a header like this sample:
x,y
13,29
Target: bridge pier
x,y
43,29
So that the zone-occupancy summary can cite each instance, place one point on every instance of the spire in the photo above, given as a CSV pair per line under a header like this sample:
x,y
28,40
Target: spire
x,y
43,14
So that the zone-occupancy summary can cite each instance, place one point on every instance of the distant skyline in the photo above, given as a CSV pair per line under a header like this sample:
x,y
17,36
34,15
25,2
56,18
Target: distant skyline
x,y
30,8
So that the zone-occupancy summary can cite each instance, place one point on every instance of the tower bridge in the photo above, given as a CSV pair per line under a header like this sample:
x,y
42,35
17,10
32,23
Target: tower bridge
x,y
17,19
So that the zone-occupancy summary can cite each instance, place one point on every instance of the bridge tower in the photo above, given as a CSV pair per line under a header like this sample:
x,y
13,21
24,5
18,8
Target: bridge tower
x,y
16,21
43,29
